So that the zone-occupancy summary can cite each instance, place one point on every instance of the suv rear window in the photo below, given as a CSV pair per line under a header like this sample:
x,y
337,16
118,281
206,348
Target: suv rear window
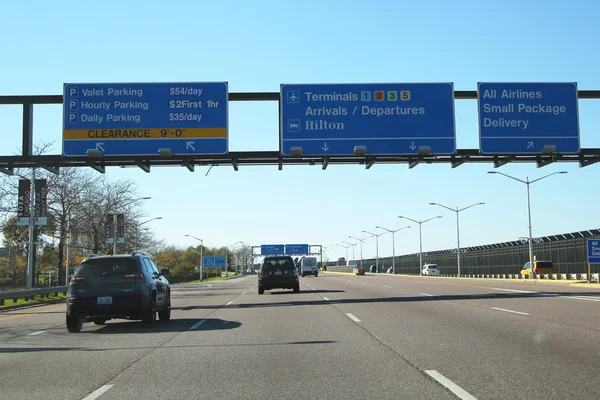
x,y
108,267
432,266
278,262
310,262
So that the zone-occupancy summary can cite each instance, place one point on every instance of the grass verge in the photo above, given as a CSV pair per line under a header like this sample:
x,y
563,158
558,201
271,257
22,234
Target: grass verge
x,y
9,304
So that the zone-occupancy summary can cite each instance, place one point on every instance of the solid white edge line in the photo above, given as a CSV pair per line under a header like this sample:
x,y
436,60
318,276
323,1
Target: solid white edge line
x,y
36,333
98,392
453,387
352,317
513,290
229,303
197,324
387,287
425,294
510,311
325,298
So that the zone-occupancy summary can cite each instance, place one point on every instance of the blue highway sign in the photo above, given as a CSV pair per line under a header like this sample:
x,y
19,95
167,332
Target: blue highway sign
x,y
272,249
386,118
132,119
295,249
593,251
528,118
214,261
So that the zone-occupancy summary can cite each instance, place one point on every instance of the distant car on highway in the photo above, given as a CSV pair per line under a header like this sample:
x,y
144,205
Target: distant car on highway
x,y
278,272
308,266
539,267
119,286
431,269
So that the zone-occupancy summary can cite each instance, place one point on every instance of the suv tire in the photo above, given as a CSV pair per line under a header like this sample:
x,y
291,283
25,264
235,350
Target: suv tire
x,y
149,314
74,323
261,290
165,314
297,288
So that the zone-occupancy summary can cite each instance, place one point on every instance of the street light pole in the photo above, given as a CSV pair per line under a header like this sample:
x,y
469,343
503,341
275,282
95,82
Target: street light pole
x,y
353,245
345,247
393,232
201,254
227,251
420,238
376,235
137,229
361,252
527,182
115,222
457,211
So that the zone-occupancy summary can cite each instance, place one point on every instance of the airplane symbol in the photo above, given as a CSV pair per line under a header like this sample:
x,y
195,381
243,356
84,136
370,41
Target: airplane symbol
x,y
293,96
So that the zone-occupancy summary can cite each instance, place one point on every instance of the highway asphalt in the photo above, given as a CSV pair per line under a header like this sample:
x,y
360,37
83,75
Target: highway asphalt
x,y
342,337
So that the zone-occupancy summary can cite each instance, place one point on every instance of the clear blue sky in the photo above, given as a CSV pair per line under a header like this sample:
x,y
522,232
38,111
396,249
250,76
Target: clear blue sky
x,y
258,45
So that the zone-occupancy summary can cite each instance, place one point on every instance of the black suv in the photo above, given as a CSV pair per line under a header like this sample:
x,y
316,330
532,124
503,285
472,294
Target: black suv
x,y
118,286
278,273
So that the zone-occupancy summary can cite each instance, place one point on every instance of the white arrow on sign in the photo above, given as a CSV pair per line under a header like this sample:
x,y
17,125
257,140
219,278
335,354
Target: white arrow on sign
x,y
412,146
99,146
530,144
325,147
190,145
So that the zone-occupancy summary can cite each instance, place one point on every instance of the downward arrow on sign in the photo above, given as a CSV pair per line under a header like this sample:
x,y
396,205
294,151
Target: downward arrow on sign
x,y
412,147
325,148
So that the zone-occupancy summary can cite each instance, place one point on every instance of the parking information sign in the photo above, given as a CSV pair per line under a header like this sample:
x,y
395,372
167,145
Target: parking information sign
x,y
128,119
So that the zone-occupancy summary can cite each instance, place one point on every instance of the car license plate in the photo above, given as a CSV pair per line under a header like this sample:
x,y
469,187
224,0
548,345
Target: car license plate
x,y
277,272
105,300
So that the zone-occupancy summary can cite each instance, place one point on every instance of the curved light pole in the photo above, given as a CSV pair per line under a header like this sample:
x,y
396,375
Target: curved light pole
x,y
527,182
345,247
361,244
137,228
457,211
376,235
115,222
393,244
227,251
201,254
420,238
353,245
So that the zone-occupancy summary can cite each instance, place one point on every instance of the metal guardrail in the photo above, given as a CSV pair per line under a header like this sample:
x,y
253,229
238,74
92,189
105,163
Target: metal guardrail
x,y
29,294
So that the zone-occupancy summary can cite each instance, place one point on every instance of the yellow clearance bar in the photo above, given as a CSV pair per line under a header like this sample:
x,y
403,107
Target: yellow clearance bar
x,y
154,133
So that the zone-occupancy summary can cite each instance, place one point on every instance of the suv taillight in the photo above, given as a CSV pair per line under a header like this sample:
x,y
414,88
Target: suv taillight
x,y
133,276
78,278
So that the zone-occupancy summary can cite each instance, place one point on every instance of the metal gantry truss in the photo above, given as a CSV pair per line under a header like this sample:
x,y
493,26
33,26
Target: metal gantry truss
x,y
236,159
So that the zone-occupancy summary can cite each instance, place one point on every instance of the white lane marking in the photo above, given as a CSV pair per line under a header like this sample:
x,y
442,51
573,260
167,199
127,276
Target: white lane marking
x,y
325,298
510,311
453,387
36,333
387,287
243,292
580,298
98,392
425,294
229,303
513,290
314,289
197,324
352,317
